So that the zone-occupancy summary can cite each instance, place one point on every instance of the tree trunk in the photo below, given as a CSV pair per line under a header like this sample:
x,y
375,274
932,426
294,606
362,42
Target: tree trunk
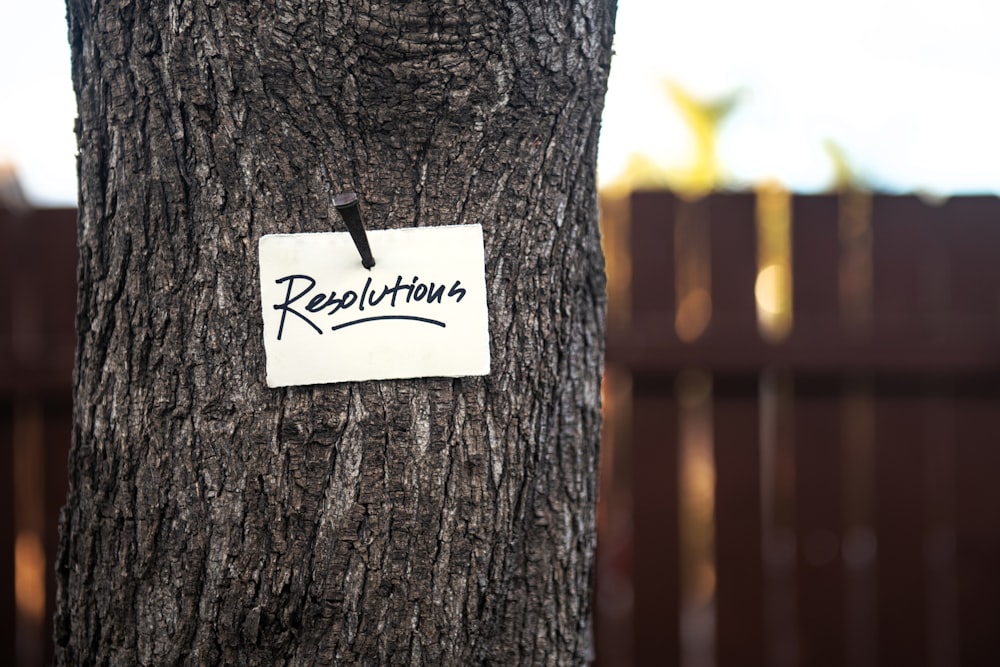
x,y
212,520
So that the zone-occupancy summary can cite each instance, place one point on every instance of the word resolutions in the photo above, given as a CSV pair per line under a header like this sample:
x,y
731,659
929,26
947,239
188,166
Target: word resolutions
x,y
419,312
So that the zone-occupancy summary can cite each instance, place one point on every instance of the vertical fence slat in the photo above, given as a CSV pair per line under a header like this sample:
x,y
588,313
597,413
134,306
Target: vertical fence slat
x,y
652,243
939,480
777,455
733,242
11,252
973,237
7,251
7,607
815,266
818,447
739,597
54,238
656,564
909,287
859,548
819,521
978,538
909,270
971,228
736,408
900,512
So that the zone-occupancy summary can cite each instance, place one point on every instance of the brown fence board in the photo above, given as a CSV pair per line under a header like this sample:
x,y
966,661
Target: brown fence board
x,y
940,477
818,435
971,232
973,239
819,522
900,514
859,546
8,248
54,238
656,563
778,518
736,429
910,269
7,607
739,568
652,244
815,295
978,536
733,242
37,300
910,280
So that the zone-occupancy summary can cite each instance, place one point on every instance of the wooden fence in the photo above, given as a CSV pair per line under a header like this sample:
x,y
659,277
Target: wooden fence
x,y
37,315
852,466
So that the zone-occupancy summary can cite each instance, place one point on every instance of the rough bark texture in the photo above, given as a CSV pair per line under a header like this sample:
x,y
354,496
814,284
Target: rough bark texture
x,y
424,522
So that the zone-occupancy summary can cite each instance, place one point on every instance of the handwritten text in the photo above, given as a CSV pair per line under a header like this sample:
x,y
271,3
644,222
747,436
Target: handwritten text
x,y
306,303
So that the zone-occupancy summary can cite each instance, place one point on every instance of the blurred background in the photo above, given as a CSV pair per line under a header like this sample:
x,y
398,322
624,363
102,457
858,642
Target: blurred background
x,y
802,393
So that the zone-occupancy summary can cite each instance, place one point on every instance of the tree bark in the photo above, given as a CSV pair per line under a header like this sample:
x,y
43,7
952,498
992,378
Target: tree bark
x,y
212,520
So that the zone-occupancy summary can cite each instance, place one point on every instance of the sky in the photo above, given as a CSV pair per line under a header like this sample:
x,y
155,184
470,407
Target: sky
x,y
908,89
37,105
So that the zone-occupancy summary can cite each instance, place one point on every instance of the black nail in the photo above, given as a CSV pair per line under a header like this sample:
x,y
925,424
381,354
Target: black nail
x,y
346,204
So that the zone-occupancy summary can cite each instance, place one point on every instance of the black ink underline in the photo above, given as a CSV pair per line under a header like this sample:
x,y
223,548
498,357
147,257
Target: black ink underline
x,y
388,317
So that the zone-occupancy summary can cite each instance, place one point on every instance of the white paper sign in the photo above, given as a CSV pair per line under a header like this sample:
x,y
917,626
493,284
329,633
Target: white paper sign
x,y
419,312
